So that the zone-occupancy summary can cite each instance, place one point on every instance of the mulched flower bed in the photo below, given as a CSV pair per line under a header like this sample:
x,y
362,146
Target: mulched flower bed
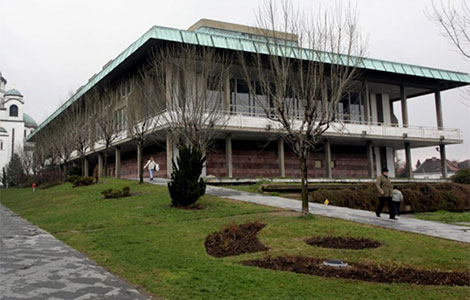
x,y
235,239
339,242
366,272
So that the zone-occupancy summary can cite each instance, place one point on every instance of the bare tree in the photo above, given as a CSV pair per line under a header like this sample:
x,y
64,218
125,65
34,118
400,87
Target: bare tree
x,y
143,110
455,25
454,22
27,160
299,89
105,101
62,140
192,89
80,131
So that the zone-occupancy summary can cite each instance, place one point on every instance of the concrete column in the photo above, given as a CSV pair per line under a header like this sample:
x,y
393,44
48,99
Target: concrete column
x,y
370,159
100,164
366,102
442,151
328,158
440,122
408,160
86,167
404,105
227,95
378,161
390,157
282,164
117,163
139,158
228,154
169,156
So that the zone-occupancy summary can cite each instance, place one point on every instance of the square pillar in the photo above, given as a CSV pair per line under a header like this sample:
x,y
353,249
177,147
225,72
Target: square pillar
x,y
282,164
370,159
329,174
169,156
86,167
228,154
437,98
100,164
408,160
404,106
366,102
442,151
117,163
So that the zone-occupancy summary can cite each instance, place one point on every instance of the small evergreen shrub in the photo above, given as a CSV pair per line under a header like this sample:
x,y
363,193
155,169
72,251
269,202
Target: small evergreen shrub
x,y
110,193
462,176
126,191
186,186
73,178
81,181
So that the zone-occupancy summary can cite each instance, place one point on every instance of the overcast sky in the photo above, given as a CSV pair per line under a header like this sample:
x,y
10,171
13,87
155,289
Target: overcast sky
x,y
49,48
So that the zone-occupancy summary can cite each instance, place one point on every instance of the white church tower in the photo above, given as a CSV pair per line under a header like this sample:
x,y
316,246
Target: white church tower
x,y
15,125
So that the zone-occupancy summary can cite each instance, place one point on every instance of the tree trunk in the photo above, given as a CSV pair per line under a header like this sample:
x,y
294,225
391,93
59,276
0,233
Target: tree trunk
x,y
83,166
304,183
105,163
140,150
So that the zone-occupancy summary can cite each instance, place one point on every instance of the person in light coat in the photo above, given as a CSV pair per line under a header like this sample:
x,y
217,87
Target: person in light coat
x,y
152,167
397,198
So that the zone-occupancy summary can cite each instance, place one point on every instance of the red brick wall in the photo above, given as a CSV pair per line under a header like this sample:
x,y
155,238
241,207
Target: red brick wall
x,y
254,159
129,163
215,163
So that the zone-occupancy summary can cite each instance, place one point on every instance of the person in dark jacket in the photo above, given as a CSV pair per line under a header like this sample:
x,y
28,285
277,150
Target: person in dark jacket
x,y
385,189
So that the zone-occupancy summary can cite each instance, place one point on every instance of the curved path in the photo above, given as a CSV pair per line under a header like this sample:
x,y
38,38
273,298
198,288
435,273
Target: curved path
x,y
435,229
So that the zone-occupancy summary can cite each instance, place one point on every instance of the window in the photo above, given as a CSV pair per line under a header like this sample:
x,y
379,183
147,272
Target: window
x,y
25,133
13,111
120,119
215,93
125,88
318,164
1,145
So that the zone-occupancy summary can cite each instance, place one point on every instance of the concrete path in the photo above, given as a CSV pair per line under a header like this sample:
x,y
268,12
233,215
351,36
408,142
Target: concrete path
x,y
35,265
436,229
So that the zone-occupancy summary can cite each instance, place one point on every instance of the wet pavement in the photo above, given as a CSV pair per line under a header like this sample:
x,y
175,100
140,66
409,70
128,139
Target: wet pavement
x,y
35,265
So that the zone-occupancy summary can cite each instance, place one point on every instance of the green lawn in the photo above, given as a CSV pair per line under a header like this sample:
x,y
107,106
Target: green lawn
x,y
144,240
446,217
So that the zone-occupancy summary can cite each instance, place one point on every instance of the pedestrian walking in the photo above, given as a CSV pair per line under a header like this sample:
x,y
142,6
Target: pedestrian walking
x,y
152,167
384,186
397,198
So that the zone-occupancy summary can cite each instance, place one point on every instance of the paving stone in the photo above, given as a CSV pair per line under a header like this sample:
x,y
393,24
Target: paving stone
x,y
35,265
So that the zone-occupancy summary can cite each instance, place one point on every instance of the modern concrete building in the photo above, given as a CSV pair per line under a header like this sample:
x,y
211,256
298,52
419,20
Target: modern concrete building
x,y
366,141
15,125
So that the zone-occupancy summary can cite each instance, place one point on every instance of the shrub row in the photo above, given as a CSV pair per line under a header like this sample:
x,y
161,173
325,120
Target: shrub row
x,y
80,181
110,193
420,197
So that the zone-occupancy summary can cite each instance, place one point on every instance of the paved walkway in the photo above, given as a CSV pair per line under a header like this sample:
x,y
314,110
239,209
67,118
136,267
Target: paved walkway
x,y
436,229
35,265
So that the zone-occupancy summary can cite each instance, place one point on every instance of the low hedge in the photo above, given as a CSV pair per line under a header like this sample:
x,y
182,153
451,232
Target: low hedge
x,y
420,197
110,193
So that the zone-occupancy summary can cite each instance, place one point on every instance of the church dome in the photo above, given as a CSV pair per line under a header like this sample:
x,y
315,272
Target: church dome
x,y
13,92
28,121
3,130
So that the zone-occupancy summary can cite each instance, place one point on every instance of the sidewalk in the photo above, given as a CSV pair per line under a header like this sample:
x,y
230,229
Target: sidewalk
x,y
435,229
35,265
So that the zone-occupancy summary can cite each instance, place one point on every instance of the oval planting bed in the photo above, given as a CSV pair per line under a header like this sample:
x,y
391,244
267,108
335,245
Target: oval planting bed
x,y
235,239
339,242
365,272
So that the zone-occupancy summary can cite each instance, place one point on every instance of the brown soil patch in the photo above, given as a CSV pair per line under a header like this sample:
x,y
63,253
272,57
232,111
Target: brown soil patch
x,y
235,239
196,206
366,272
339,242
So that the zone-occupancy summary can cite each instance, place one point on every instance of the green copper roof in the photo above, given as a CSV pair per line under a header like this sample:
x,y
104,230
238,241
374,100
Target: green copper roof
x,y
3,130
249,45
28,121
13,92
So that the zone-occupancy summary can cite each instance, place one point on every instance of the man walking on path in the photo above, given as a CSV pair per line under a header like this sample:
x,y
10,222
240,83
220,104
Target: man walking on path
x,y
384,186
